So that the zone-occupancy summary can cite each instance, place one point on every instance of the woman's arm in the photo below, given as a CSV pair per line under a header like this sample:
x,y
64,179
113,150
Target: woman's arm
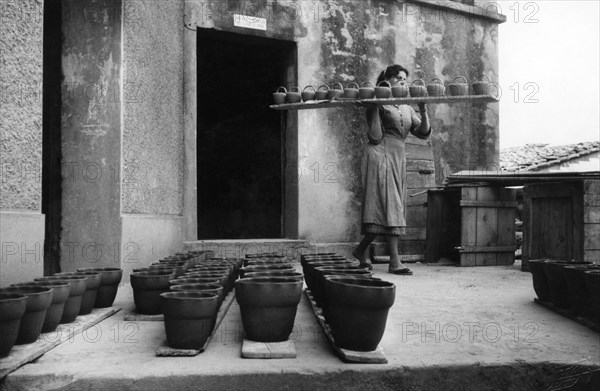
x,y
374,131
421,127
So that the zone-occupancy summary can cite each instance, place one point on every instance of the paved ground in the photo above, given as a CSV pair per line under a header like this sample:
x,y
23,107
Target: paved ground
x,y
450,329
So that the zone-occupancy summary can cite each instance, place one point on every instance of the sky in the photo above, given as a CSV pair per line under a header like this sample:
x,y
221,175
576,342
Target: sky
x,y
549,72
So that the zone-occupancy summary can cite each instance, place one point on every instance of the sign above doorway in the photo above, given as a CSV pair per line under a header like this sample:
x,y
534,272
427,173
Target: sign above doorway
x,y
250,22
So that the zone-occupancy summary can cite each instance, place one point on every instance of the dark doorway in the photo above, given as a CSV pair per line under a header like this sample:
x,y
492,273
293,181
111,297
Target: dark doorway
x,y
240,140
51,135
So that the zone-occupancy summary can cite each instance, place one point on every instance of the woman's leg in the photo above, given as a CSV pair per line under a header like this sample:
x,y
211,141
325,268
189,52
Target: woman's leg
x,y
395,263
360,252
396,267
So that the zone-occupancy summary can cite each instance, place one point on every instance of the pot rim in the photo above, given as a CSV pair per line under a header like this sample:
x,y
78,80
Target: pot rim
x,y
349,282
30,290
188,295
6,297
268,280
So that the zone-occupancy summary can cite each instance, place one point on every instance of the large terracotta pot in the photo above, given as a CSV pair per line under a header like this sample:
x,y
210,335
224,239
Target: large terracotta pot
x,y
38,302
93,282
225,279
60,295
318,278
309,266
578,294
111,277
147,288
12,309
268,306
592,281
213,287
540,281
358,310
189,318
557,284
177,267
77,285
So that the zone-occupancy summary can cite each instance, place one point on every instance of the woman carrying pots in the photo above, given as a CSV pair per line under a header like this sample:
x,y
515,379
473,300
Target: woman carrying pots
x,y
384,171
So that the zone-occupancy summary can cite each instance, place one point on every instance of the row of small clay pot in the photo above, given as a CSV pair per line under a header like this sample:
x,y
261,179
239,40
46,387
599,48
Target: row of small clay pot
x,y
352,91
355,304
31,308
571,286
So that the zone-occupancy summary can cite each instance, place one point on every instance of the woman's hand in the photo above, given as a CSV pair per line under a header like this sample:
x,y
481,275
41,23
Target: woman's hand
x,y
422,108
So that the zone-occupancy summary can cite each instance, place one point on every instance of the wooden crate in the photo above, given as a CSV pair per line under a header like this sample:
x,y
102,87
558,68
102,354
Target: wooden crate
x,y
472,225
561,220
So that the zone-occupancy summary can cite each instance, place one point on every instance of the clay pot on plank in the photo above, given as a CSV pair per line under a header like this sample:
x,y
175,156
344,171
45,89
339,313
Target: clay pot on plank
x,y
268,306
318,278
279,96
436,87
358,310
77,286
12,309
557,284
578,294
38,302
400,90
147,288
383,92
93,282
592,281
189,318
60,295
417,90
111,278
364,92
213,287
351,91
457,88
308,95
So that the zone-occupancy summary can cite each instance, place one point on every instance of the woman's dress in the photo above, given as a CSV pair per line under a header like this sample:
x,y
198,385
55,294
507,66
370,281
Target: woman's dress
x,y
384,172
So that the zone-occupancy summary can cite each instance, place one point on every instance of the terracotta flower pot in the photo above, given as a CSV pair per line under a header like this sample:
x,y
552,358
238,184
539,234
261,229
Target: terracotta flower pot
x,y
261,268
60,295
358,310
309,266
557,284
319,273
189,318
224,278
176,267
77,285
147,288
93,282
578,294
12,309
366,92
111,277
38,302
383,92
592,281
540,281
268,306
436,87
213,287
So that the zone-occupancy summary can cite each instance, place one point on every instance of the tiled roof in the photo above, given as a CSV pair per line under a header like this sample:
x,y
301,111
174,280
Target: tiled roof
x,y
531,157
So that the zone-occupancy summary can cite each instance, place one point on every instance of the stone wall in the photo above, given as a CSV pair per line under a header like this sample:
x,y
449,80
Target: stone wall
x,y
21,220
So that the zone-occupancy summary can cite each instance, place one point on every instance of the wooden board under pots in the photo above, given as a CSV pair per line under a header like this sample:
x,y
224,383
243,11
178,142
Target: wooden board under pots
x,y
341,102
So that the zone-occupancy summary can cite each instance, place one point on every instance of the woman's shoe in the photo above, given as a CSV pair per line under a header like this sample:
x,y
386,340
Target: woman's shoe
x,y
367,266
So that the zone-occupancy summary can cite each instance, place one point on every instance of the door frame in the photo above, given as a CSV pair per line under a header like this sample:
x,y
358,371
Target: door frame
x,y
289,126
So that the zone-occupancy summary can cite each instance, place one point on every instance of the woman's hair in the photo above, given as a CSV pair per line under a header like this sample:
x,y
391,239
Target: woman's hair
x,y
391,71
